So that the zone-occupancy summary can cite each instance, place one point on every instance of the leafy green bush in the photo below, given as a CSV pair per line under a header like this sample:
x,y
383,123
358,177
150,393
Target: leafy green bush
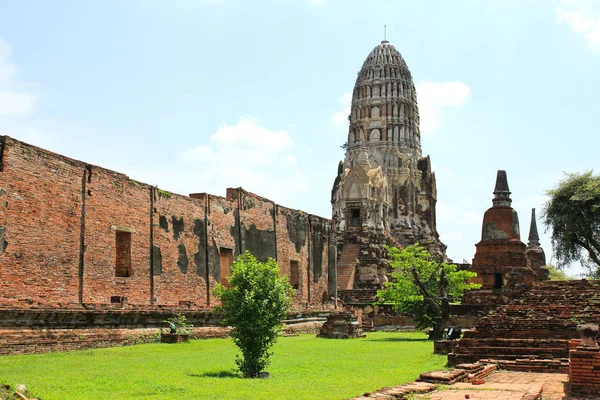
x,y
254,303
178,325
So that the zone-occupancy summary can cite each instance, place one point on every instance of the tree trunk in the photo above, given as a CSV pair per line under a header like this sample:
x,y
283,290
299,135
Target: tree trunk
x,y
438,330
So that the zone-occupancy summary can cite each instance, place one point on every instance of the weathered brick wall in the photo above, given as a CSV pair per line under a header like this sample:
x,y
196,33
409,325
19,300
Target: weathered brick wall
x,y
584,371
257,225
113,202
40,219
222,234
73,234
292,245
320,231
269,230
179,250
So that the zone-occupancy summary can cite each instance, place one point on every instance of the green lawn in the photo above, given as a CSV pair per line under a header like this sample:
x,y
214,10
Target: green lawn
x,y
303,367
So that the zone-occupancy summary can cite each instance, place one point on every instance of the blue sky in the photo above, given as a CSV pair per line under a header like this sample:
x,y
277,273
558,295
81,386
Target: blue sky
x,y
198,96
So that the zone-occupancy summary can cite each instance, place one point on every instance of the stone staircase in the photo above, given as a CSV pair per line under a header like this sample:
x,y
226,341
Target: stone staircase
x,y
346,266
533,332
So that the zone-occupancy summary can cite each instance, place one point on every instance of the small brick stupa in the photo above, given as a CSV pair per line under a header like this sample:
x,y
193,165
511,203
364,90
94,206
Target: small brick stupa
x,y
500,263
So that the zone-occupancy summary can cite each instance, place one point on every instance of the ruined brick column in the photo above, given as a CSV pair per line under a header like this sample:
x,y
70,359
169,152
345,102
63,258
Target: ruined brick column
x,y
584,363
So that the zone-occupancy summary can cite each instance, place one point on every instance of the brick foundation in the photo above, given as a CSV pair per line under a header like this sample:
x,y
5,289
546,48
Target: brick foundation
x,y
535,332
444,346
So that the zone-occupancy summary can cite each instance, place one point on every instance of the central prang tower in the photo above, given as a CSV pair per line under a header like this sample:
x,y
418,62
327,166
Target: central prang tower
x,y
385,191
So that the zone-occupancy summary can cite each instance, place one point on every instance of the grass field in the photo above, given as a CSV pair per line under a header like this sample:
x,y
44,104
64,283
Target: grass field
x,y
303,367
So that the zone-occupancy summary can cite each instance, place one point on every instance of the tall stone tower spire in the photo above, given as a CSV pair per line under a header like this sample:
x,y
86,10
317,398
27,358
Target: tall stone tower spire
x,y
387,190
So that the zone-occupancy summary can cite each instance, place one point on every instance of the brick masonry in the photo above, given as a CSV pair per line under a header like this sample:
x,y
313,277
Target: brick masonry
x,y
584,371
65,227
535,332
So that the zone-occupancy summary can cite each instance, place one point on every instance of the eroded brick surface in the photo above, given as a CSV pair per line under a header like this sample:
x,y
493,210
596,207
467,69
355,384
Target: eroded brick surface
x,y
77,236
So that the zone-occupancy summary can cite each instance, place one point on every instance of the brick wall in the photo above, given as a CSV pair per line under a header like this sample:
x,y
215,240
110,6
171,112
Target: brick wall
x,y
584,371
40,219
66,227
179,250
114,203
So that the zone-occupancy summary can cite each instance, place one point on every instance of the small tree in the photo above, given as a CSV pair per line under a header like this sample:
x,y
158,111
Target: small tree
x,y
178,325
424,288
573,216
254,304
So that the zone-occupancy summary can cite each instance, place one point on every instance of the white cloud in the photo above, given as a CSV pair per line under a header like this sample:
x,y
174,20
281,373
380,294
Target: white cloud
x,y
14,101
433,97
583,17
249,155
340,118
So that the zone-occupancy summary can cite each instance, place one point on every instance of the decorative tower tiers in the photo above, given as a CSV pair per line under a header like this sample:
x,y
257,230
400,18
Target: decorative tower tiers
x,y
385,191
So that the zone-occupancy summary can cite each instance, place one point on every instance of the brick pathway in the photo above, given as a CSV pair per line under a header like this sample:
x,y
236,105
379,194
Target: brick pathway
x,y
506,385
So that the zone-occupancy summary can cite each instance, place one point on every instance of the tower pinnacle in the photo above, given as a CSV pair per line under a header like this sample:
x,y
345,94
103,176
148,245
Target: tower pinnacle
x,y
501,191
534,239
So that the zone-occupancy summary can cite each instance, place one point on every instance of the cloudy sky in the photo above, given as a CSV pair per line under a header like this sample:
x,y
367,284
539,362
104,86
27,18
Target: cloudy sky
x,y
201,95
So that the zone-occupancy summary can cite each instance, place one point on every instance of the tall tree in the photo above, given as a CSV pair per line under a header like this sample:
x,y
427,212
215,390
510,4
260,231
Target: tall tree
x,y
573,215
254,304
422,287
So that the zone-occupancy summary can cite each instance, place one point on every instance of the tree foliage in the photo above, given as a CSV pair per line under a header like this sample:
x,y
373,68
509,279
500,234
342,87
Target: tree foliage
x,y
557,275
422,287
254,303
573,215
178,325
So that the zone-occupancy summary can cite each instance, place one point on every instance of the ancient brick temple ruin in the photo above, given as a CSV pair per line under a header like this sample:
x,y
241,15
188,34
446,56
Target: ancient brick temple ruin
x,y
385,190
535,332
505,267
86,252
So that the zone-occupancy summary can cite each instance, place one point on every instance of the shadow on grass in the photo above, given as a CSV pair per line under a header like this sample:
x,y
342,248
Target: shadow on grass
x,y
217,374
399,339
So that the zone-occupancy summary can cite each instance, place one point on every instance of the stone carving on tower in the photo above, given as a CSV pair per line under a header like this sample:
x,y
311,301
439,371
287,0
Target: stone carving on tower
x,y
385,191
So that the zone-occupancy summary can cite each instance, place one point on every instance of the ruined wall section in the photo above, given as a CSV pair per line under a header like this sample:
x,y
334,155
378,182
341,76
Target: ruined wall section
x,y
257,224
222,235
40,219
292,249
117,211
179,265
287,235
75,235
320,232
